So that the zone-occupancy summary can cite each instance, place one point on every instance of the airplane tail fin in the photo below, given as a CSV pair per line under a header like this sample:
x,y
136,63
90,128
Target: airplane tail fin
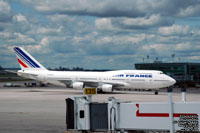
x,y
26,61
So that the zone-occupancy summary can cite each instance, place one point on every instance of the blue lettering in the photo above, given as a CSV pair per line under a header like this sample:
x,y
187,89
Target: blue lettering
x,y
137,76
142,76
129,75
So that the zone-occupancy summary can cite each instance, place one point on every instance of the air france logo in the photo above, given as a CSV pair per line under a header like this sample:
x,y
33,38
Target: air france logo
x,y
139,75
119,75
134,75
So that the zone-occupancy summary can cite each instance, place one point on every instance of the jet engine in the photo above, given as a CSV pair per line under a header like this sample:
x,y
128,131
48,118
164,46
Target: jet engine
x,y
107,88
77,85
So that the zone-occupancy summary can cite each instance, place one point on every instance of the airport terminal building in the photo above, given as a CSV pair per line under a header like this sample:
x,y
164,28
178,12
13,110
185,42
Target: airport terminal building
x,y
182,72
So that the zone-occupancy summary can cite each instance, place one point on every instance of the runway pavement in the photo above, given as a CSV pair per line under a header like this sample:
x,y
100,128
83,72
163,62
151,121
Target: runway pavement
x,y
42,109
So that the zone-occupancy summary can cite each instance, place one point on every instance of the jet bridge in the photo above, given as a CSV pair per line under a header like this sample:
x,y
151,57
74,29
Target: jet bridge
x,y
114,115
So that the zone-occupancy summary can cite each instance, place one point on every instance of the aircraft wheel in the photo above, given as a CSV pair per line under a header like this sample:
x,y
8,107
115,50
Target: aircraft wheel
x,y
99,91
156,93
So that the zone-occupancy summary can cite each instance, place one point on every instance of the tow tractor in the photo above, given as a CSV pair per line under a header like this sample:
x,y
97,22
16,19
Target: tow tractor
x,y
84,115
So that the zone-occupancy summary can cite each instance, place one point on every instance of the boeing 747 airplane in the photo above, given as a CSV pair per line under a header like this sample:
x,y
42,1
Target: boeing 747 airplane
x,y
104,81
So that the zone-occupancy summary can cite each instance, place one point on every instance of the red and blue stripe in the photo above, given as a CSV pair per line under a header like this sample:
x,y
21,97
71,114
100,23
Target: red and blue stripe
x,y
24,57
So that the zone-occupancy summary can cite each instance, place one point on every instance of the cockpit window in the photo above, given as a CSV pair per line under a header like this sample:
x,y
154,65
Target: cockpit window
x,y
161,72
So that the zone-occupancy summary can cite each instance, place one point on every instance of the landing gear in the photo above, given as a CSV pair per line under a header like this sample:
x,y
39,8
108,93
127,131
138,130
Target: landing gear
x,y
156,93
99,91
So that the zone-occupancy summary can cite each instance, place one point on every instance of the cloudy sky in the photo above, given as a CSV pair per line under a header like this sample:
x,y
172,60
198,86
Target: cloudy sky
x,y
100,34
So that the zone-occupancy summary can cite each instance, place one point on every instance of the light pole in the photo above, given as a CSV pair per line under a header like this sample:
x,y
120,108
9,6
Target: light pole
x,y
173,55
148,58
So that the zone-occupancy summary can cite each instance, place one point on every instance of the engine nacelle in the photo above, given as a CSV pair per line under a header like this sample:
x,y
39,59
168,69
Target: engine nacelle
x,y
107,88
78,85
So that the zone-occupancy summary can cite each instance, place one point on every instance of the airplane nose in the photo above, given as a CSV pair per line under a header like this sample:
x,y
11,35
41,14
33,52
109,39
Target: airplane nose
x,y
173,81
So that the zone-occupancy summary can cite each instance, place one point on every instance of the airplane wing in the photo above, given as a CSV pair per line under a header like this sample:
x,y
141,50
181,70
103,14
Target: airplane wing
x,y
91,83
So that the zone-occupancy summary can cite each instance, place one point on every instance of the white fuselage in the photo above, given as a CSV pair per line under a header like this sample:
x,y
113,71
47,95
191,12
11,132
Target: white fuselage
x,y
140,79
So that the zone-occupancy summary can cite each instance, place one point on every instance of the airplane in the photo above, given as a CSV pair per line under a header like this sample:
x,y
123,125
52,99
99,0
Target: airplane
x,y
104,81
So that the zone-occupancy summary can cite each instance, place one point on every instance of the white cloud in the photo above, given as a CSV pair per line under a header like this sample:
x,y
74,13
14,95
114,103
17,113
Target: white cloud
x,y
41,48
18,38
174,30
183,46
61,18
165,39
44,41
124,23
104,24
116,8
4,10
5,35
43,30
125,39
158,49
4,7
123,31
190,11
20,18
154,20
87,7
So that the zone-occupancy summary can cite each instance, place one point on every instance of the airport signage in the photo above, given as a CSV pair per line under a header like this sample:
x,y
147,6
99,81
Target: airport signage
x,y
90,91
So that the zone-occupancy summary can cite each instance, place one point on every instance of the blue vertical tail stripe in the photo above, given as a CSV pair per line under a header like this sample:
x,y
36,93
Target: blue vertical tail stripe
x,y
27,57
22,57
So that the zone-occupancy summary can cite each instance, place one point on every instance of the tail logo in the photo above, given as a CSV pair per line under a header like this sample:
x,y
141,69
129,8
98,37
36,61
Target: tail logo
x,y
25,59
20,62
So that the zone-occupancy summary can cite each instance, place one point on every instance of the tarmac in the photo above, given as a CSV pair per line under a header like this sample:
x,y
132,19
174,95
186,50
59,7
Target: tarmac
x,y
42,109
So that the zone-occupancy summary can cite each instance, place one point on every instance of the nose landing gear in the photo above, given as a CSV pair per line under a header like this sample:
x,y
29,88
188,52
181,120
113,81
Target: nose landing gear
x,y
156,92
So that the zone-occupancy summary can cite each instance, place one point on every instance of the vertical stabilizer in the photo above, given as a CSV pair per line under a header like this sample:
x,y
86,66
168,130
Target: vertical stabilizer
x,y
26,61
